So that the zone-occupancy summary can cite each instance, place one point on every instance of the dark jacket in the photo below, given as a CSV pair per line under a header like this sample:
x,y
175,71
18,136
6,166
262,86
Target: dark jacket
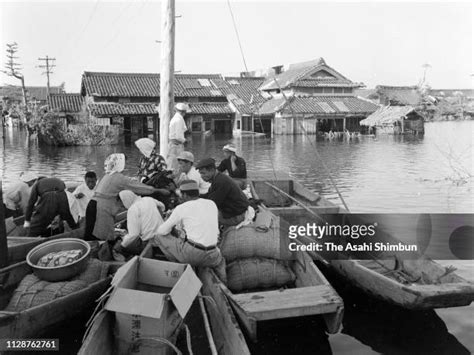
x,y
52,201
240,173
228,197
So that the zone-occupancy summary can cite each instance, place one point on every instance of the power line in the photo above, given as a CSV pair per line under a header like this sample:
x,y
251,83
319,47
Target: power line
x,y
48,68
237,34
83,29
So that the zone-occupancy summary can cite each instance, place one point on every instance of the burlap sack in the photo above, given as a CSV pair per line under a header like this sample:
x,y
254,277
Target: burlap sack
x,y
251,273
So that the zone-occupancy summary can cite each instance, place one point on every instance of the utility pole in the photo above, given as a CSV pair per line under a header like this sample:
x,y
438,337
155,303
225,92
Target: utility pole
x,y
3,233
48,68
13,69
167,72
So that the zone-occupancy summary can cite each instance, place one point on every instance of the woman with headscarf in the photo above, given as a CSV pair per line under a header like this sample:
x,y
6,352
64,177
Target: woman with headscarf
x,y
150,162
104,206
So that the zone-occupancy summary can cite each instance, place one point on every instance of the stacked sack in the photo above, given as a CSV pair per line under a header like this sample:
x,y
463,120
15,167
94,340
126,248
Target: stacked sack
x,y
256,256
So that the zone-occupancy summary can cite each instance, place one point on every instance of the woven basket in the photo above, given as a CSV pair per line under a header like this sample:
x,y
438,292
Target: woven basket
x,y
33,291
251,273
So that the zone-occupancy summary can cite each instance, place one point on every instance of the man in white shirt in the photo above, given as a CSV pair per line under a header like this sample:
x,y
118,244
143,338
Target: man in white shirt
x,y
196,219
16,196
143,220
176,136
188,172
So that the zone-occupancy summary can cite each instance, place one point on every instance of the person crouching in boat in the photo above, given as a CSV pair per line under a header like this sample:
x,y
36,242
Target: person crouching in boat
x,y
49,195
234,165
16,196
143,219
232,203
105,205
84,192
197,220
187,171
151,162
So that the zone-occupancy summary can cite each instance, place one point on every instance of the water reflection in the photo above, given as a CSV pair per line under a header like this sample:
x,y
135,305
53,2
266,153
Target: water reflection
x,y
387,173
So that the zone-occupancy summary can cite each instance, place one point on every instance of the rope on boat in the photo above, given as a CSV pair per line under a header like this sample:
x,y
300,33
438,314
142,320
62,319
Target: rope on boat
x,y
157,340
188,340
98,309
315,150
207,326
295,200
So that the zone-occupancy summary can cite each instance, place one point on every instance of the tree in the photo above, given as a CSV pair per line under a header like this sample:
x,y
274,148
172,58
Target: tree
x,y
13,69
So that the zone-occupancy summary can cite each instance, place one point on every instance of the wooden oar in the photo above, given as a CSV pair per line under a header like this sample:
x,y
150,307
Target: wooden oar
x,y
296,201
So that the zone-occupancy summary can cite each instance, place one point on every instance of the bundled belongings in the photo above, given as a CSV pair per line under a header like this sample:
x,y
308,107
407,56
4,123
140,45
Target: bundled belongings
x,y
252,273
33,291
163,180
249,242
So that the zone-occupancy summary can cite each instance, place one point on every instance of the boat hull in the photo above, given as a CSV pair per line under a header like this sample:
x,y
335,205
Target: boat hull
x,y
37,320
455,292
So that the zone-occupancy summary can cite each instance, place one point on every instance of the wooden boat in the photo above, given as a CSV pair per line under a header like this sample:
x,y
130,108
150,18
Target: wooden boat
x,y
310,295
37,320
100,337
18,246
413,284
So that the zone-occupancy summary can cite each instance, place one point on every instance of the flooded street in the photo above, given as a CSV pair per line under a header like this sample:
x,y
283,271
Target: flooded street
x,y
384,174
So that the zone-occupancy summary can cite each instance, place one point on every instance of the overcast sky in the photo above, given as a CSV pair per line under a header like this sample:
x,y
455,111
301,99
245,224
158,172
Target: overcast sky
x,y
371,42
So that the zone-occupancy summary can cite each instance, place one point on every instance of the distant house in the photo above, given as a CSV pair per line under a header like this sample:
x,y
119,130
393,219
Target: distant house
x,y
37,95
245,98
67,105
396,95
134,99
311,97
395,120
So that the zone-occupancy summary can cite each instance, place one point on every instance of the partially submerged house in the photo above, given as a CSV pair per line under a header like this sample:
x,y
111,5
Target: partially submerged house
x,y
396,95
69,106
395,120
312,97
36,95
132,99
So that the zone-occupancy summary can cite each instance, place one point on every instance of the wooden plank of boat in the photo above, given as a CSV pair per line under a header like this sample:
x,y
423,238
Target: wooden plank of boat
x,y
415,284
312,295
37,320
226,331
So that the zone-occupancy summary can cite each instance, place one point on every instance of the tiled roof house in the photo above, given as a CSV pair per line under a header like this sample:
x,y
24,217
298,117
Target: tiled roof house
x,y
136,96
312,97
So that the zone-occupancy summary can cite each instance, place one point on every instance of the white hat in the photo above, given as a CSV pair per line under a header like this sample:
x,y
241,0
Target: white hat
x,y
181,106
230,148
186,156
27,177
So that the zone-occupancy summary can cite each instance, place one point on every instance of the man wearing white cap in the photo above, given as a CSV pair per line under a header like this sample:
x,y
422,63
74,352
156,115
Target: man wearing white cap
x,y
234,165
176,136
16,196
187,171
196,244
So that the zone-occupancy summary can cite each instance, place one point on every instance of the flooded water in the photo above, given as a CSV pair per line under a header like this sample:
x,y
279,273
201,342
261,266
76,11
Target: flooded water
x,y
429,174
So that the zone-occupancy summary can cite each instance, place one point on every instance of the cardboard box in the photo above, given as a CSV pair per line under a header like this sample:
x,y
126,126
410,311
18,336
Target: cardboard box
x,y
150,299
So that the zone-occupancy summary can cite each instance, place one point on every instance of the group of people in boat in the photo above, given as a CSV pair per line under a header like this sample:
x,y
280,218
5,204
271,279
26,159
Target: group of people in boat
x,y
177,203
